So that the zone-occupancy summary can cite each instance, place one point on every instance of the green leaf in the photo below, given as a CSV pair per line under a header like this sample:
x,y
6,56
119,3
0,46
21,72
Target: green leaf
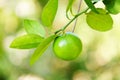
x,y
49,12
100,22
43,2
91,5
69,7
27,41
70,3
113,6
41,48
34,27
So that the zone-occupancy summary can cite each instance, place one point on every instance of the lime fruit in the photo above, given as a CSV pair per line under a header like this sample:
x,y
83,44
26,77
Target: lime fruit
x,y
67,46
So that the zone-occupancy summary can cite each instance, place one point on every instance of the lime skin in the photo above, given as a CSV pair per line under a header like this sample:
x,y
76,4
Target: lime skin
x,y
67,46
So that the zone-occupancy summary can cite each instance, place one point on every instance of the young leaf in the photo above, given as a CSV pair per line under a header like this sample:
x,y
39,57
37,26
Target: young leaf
x,y
34,27
41,48
27,41
91,5
49,12
101,21
70,3
69,7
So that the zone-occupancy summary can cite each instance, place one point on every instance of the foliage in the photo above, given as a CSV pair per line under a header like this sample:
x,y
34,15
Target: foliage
x,y
98,19
41,48
49,12
101,21
31,27
27,41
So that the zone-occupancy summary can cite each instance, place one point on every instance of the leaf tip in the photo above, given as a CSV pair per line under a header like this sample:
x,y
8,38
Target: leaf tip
x,y
11,45
32,61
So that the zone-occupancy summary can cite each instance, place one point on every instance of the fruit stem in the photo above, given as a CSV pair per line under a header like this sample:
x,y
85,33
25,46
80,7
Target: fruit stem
x,y
77,15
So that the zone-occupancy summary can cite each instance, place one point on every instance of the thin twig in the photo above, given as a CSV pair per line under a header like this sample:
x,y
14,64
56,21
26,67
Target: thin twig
x,y
77,15
77,18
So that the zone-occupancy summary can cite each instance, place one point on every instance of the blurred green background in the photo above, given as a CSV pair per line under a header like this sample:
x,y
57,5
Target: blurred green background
x,y
99,59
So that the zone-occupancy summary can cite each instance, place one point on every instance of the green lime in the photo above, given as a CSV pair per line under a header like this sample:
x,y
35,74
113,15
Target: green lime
x,y
67,46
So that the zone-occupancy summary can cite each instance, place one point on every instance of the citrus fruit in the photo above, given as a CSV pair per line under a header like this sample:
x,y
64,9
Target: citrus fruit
x,y
67,46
